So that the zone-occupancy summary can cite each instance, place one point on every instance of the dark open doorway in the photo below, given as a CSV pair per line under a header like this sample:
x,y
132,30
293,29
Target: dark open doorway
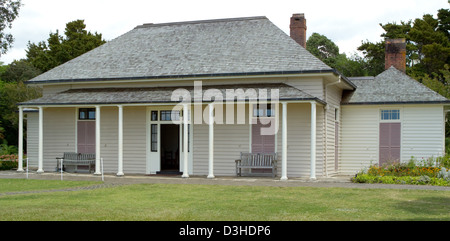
x,y
170,149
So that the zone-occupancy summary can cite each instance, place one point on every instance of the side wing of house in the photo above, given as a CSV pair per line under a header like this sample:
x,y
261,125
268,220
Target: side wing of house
x,y
420,131
390,118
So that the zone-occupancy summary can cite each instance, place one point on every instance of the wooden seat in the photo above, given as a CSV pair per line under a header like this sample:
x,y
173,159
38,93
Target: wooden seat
x,y
257,161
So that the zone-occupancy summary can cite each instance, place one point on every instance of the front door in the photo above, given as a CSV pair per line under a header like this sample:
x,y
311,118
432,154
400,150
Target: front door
x,y
170,148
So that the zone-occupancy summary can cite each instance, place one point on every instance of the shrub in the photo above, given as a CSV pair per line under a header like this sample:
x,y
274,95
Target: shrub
x,y
8,162
431,171
421,180
8,165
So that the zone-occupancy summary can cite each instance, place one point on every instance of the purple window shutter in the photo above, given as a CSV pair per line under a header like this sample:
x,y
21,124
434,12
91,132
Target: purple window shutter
x,y
262,143
86,137
395,141
390,134
336,146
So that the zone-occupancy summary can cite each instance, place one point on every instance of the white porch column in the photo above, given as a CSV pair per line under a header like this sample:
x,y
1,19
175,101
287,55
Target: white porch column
x,y
120,142
41,141
97,140
284,143
211,140
20,164
185,141
313,140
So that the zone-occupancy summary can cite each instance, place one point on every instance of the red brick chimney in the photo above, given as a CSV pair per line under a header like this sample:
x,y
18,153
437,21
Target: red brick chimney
x,y
298,28
395,54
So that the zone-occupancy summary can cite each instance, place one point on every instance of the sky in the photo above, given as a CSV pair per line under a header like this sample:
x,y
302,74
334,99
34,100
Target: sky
x,y
346,22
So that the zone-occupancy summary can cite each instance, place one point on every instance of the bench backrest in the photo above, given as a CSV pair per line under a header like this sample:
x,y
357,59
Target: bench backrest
x,y
257,159
78,156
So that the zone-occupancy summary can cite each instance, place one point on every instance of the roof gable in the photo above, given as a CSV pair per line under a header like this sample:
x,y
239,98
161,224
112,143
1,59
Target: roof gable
x,y
390,87
211,47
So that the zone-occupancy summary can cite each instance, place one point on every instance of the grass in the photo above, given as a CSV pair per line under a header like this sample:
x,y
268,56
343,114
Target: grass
x,y
214,202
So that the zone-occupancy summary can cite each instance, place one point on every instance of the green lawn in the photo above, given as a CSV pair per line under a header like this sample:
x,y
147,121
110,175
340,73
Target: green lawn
x,y
214,202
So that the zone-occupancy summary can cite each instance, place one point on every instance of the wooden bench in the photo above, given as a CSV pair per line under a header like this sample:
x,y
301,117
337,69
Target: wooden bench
x,y
76,159
257,161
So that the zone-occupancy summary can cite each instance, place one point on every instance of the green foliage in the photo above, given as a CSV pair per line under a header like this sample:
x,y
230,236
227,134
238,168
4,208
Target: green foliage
x,y
431,171
421,180
9,10
11,94
59,49
323,48
427,44
444,174
327,51
19,71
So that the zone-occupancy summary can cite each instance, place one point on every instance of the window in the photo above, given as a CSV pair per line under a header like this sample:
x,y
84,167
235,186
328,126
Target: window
x,y
154,141
86,114
390,114
264,110
170,115
154,115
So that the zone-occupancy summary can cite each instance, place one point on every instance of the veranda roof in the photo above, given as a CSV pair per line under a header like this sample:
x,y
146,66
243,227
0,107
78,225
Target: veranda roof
x,y
105,96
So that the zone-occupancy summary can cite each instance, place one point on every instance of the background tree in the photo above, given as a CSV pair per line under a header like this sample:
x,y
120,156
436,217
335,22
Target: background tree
x,y
427,44
19,71
41,57
327,51
12,93
59,49
9,10
323,48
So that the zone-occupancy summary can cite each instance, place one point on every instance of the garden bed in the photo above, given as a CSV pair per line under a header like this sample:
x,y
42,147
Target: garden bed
x,y
8,162
426,172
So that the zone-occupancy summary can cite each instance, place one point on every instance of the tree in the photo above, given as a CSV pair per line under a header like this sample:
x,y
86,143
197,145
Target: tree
x,y
11,94
9,10
327,51
427,44
323,48
59,49
19,71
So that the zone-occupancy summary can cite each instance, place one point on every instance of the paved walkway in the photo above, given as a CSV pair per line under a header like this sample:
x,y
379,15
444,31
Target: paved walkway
x,y
336,181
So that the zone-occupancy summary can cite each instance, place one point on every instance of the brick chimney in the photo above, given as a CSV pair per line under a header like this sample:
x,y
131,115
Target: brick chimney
x,y
298,28
395,54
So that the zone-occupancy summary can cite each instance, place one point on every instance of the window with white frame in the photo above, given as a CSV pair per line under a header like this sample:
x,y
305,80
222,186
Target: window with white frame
x,y
263,110
390,114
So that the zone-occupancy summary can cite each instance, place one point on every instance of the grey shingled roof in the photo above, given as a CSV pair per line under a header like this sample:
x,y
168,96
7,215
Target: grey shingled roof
x,y
164,95
224,47
390,87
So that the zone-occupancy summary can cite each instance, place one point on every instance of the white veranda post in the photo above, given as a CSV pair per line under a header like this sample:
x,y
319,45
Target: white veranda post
x,y
20,164
313,140
185,141
97,140
211,141
41,141
120,152
284,143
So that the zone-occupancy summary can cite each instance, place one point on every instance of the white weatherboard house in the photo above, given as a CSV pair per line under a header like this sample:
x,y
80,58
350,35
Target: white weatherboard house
x,y
190,97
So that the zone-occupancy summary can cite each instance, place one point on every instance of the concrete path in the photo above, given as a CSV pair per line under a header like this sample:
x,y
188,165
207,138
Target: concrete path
x,y
337,181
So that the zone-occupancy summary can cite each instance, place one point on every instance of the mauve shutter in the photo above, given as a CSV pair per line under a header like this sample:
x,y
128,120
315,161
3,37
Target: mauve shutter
x,y
81,137
257,141
86,136
90,137
390,142
395,141
262,143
